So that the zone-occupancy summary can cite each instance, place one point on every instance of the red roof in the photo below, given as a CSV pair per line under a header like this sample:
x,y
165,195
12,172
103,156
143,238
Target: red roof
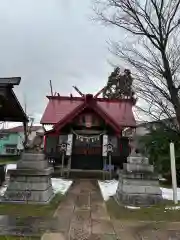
x,y
120,112
20,129
57,109
117,112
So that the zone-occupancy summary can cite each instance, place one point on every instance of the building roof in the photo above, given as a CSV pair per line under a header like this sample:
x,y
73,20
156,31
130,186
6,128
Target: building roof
x,y
19,129
60,110
10,108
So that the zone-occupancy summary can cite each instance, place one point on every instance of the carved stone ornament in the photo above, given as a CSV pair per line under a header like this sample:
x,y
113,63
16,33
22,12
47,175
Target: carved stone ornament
x,y
35,144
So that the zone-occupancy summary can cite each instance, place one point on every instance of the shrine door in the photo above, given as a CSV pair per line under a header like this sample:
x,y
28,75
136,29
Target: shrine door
x,y
87,154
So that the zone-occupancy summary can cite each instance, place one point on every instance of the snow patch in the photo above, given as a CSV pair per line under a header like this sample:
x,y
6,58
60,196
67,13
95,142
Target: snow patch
x,y
162,179
167,193
11,166
108,189
59,186
132,207
2,190
173,208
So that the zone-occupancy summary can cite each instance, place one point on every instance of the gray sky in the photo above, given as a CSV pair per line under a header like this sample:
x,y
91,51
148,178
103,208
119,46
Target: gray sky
x,y
52,39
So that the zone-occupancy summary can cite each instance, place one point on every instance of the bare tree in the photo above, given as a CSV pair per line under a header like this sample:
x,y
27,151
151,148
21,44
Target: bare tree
x,y
153,53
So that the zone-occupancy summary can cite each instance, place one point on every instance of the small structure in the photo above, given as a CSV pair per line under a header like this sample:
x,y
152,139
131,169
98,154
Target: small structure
x,y
138,184
10,108
30,182
83,128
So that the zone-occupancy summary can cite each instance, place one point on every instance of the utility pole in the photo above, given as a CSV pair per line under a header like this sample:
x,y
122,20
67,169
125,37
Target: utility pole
x,y
173,172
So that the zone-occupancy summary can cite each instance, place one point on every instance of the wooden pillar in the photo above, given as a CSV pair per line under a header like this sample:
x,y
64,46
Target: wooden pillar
x,y
104,169
69,166
45,142
104,154
110,165
62,164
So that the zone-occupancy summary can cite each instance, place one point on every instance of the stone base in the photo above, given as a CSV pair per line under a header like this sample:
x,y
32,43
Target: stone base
x,y
139,200
33,202
29,189
138,184
31,181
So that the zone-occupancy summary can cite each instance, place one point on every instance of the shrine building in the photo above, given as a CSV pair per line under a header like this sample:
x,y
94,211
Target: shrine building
x,y
87,131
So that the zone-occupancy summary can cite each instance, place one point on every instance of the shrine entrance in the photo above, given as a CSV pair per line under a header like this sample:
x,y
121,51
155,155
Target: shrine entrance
x,y
87,155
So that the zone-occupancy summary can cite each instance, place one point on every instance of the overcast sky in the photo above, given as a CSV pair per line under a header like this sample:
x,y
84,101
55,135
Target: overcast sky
x,y
52,39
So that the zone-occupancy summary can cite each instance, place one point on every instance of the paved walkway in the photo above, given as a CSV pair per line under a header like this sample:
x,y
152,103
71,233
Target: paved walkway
x,y
83,216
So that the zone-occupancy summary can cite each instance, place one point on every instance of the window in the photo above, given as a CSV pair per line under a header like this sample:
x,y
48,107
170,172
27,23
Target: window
x,y
4,135
10,150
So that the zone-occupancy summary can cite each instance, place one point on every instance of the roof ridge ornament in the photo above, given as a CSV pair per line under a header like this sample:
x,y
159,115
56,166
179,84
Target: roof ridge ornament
x,y
78,91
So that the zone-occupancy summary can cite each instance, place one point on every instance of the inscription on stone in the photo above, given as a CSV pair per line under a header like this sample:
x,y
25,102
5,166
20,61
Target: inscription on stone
x,y
22,195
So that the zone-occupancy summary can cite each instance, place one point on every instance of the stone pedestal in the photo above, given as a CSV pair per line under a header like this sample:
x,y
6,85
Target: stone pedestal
x,y
138,184
31,181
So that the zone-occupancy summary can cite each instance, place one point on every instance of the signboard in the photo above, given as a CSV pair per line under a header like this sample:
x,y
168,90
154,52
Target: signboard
x,y
104,147
87,151
69,145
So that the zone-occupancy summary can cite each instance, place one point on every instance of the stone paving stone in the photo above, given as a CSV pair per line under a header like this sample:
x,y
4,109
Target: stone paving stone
x,y
151,230
81,215
75,189
148,235
69,200
96,196
53,236
103,237
120,226
124,235
87,185
99,212
64,212
80,231
162,235
173,226
173,235
102,227
83,225
83,201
